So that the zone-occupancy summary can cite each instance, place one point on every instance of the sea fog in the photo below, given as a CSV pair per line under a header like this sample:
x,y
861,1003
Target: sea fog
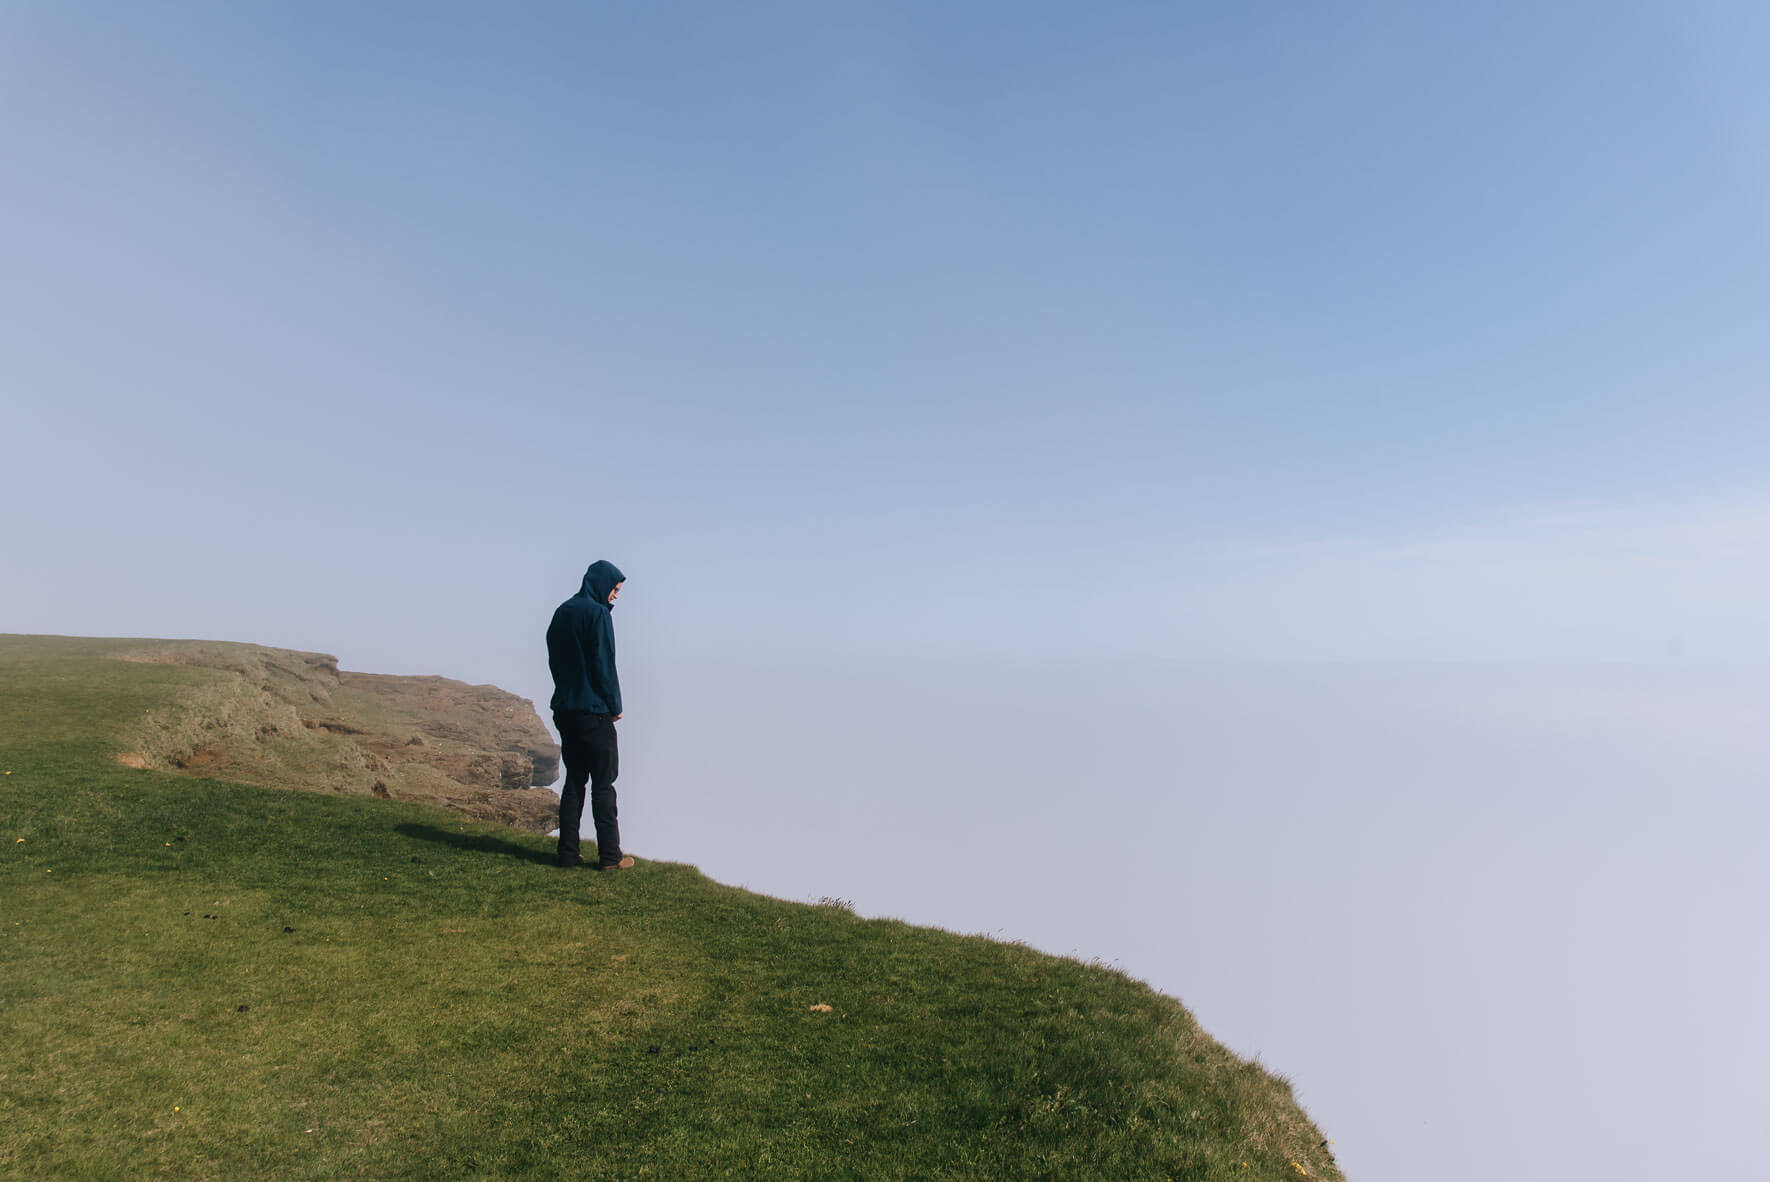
x,y
1491,920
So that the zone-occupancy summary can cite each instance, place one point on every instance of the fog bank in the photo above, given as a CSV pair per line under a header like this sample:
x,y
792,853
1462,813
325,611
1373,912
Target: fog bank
x,y
1481,915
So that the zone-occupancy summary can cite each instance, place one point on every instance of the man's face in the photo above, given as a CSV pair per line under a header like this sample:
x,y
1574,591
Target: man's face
x,y
614,592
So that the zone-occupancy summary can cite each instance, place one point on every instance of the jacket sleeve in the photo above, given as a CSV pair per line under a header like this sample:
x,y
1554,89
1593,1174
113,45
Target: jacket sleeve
x,y
603,678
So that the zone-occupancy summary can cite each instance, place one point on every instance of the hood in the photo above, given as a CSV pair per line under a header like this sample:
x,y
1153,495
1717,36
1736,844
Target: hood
x,y
600,579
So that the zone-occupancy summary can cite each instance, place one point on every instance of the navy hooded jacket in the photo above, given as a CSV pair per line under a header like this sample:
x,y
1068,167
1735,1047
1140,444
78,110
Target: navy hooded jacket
x,y
581,646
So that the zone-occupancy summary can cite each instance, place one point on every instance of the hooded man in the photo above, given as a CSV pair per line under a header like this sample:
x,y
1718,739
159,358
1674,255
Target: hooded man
x,y
586,704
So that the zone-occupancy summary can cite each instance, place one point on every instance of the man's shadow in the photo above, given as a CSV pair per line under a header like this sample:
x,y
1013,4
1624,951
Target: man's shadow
x,y
478,842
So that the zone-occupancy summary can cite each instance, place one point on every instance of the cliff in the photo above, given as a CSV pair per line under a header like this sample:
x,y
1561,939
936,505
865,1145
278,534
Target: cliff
x,y
202,976
295,720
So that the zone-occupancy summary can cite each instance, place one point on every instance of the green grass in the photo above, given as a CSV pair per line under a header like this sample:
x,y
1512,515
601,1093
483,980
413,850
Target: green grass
x,y
448,1004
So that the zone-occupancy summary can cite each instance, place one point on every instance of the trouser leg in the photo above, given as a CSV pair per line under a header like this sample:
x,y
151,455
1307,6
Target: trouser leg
x,y
575,752
605,765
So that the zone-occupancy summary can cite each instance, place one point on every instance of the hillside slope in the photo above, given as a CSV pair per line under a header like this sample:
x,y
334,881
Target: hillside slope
x,y
203,979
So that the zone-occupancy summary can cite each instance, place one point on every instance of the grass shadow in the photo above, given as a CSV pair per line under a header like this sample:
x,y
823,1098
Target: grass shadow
x,y
478,842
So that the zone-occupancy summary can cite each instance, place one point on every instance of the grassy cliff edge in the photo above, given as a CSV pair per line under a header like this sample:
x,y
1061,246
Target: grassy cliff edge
x,y
214,979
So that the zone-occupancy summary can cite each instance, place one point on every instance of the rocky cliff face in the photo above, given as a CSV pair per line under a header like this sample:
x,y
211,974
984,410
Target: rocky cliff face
x,y
518,752
292,719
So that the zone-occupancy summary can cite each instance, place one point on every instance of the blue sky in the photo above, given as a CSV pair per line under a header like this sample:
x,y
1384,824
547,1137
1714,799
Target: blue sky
x,y
1016,304
929,346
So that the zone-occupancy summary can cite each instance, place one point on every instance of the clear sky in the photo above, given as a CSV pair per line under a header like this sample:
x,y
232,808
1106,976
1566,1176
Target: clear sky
x,y
995,407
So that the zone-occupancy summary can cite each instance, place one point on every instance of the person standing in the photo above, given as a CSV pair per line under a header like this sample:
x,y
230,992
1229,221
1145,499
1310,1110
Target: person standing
x,y
586,704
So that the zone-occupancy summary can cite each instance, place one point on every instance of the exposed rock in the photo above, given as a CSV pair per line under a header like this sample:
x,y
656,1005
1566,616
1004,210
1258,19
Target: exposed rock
x,y
481,716
291,719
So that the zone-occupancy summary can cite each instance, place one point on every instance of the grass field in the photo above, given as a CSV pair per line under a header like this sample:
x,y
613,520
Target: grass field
x,y
212,980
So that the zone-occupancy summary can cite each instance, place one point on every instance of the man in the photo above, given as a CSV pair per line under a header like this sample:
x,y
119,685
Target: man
x,y
586,705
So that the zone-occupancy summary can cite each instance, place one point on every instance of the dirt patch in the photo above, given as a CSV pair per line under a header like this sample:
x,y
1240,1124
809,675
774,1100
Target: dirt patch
x,y
202,757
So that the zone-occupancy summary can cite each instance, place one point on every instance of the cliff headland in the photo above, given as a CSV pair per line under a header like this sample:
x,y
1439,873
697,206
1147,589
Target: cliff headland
x,y
287,719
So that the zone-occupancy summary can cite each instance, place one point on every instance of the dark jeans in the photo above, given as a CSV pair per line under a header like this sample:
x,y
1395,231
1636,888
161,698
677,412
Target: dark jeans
x,y
587,743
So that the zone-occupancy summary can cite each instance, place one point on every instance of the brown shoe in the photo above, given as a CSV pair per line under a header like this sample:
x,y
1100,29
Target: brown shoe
x,y
624,864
